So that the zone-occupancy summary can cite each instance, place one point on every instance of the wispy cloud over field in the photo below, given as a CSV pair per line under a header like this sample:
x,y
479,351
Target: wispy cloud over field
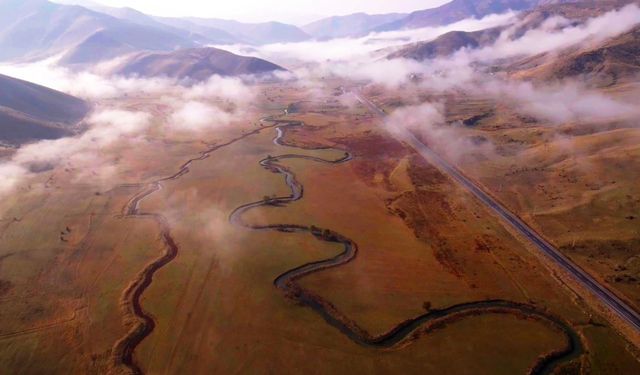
x,y
84,152
188,109
428,120
98,84
350,49
560,103
194,116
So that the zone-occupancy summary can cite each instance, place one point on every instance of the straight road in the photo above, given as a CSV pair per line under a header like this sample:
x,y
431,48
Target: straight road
x,y
606,296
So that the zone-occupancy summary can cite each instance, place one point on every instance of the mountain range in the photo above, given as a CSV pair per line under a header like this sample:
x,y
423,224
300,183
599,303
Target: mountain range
x,y
605,63
35,29
176,47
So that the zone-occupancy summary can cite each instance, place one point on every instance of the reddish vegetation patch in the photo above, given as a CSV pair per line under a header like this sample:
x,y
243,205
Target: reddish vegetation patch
x,y
370,145
5,287
482,246
423,174
487,243
368,171
412,207
376,155
428,212
305,137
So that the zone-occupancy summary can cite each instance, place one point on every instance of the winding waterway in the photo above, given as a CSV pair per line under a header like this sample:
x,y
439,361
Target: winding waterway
x,y
406,330
143,323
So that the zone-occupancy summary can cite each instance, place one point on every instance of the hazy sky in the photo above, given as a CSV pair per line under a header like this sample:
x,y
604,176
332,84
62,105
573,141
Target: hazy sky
x,y
298,11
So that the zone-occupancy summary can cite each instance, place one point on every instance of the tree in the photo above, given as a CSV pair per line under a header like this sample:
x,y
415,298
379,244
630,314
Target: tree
x,y
327,234
427,306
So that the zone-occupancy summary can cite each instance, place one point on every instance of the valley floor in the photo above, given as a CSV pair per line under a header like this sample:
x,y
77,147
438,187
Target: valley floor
x,y
148,270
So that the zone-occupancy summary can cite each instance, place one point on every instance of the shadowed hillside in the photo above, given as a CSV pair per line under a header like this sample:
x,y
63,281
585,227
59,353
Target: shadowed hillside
x,y
615,60
31,112
447,44
196,64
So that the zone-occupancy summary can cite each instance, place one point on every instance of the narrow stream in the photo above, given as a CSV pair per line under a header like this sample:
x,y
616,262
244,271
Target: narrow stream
x,y
404,331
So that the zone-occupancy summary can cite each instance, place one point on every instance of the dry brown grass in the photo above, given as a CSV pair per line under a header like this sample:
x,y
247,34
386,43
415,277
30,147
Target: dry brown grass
x,y
421,238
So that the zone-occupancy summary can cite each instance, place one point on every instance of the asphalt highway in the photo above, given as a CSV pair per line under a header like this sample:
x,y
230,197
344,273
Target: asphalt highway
x,y
606,296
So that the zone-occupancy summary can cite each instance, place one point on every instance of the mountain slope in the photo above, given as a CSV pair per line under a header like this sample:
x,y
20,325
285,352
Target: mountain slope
x,y
447,44
196,64
97,47
615,60
37,28
31,112
349,26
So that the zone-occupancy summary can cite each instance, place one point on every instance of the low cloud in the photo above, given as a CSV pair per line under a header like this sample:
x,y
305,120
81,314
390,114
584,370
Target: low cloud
x,y
350,49
84,84
427,120
557,103
194,116
214,103
91,85
189,109
557,33
12,175
107,127
112,124
464,68
560,103
233,89
82,152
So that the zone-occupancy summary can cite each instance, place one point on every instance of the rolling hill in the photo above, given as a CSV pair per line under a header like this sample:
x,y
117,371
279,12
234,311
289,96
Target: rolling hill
x,y
31,112
195,64
447,44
